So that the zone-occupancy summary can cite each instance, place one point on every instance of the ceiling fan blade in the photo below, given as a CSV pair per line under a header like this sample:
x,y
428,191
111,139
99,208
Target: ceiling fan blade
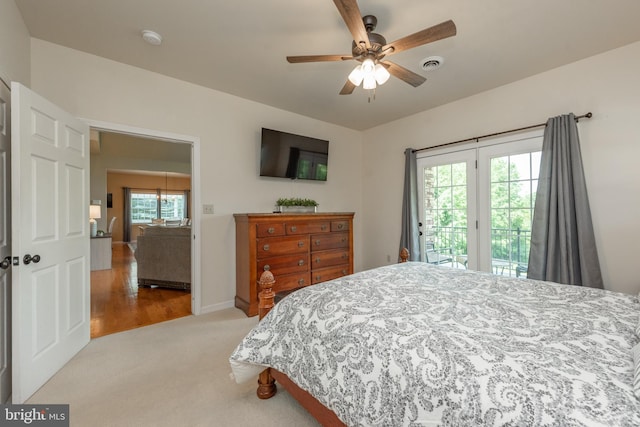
x,y
317,58
351,16
403,74
348,88
428,35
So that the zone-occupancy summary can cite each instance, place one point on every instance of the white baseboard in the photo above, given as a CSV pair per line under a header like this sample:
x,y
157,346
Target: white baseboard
x,y
217,307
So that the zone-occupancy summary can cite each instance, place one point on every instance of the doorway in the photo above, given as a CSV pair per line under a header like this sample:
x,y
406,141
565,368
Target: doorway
x,y
150,161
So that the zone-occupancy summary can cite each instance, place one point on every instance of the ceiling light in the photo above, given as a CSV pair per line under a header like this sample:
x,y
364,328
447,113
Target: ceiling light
x,y
381,73
368,66
369,73
356,76
152,37
369,82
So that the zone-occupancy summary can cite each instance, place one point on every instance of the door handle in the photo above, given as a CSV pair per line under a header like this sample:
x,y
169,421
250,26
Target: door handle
x,y
28,258
5,263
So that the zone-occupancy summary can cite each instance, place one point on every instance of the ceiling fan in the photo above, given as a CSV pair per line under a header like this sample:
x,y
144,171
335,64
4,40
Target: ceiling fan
x,y
370,49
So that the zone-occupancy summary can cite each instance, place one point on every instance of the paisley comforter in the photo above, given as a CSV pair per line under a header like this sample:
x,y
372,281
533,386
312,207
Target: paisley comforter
x,y
414,344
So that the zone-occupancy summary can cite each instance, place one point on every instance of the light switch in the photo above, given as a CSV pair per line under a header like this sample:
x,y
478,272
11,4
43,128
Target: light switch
x,y
207,209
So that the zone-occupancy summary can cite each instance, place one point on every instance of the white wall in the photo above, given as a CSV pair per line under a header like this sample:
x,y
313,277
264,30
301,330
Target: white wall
x,y
229,130
607,85
15,58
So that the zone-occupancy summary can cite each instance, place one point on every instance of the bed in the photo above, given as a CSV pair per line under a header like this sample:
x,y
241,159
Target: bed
x,y
417,344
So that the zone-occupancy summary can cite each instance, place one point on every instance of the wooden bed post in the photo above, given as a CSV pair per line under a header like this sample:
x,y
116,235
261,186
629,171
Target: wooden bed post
x,y
404,255
266,383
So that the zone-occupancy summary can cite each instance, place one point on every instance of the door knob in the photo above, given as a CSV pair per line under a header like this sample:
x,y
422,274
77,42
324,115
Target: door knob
x,y
28,258
6,262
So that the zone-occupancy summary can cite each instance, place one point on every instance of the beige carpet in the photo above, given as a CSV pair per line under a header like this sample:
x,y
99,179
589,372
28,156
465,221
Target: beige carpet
x,y
174,373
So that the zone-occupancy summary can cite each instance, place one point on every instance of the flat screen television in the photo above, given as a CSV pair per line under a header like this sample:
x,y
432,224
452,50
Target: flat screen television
x,y
286,155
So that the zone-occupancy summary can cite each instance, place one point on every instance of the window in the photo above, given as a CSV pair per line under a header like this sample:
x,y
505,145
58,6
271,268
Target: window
x,y
493,232
147,205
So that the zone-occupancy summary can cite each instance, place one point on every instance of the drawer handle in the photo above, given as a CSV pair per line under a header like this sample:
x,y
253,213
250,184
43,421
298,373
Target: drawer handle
x,y
323,227
344,256
301,262
267,267
271,230
340,226
318,277
265,247
344,271
318,242
301,282
317,260
344,239
300,244
294,229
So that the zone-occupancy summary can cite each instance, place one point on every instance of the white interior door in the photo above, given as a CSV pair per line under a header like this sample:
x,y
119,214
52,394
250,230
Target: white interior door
x,y
5,244
50,211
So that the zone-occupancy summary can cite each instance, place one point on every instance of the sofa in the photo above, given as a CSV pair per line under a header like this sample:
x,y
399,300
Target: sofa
x,y
163,255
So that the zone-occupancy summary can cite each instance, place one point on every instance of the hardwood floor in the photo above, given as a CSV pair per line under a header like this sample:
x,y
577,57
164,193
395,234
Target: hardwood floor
x,y
118,305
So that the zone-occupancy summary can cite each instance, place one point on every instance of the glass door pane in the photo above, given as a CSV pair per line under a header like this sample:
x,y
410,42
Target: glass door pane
x,y
447,193
508,184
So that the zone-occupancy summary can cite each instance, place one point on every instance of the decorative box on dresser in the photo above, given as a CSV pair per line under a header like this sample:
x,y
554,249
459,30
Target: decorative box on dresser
x,y
300,249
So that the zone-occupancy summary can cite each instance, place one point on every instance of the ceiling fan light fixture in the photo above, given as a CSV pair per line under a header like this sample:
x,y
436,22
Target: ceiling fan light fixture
x,y
368,66
381,74
369,82
356,76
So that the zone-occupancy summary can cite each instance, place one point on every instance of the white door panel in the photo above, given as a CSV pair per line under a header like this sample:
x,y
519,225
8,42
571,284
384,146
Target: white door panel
x,y
51,297
5,243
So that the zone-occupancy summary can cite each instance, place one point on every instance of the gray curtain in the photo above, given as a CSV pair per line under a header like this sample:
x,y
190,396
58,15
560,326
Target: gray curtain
x,y
410,235
126,216
563,246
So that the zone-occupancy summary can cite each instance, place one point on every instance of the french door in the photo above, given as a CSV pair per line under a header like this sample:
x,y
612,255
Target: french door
x,y
476,204
447,195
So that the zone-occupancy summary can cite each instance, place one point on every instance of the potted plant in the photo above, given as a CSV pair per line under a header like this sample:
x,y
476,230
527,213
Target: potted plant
x,y
296,204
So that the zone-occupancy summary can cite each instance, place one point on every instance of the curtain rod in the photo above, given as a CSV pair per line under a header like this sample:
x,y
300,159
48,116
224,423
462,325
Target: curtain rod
x,y
477,138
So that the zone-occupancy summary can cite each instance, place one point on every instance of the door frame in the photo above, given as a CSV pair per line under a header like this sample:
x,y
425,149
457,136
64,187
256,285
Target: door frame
x,y
194,141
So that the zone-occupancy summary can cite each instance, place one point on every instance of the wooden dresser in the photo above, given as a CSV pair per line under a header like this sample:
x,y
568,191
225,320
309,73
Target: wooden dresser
x,y
300,249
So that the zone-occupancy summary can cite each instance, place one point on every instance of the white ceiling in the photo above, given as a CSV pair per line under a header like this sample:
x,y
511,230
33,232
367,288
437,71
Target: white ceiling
x,y
239,47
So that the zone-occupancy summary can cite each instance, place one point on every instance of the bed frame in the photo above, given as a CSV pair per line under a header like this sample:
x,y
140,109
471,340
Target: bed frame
x,y
267,378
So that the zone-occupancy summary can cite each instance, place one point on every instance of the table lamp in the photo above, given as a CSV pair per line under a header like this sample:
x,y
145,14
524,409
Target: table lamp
x,y
94,213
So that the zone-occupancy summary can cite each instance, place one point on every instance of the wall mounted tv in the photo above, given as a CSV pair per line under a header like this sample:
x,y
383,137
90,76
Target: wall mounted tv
x,y
286,155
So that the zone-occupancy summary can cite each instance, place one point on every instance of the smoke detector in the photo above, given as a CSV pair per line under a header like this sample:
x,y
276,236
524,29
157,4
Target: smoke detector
x,y
432,63
151,37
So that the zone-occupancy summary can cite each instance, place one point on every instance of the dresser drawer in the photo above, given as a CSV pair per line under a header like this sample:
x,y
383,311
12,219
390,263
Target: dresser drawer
x,y
276,246
300,227
291,281
324,274
286,264
321,242
329,258
339,225
266,230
